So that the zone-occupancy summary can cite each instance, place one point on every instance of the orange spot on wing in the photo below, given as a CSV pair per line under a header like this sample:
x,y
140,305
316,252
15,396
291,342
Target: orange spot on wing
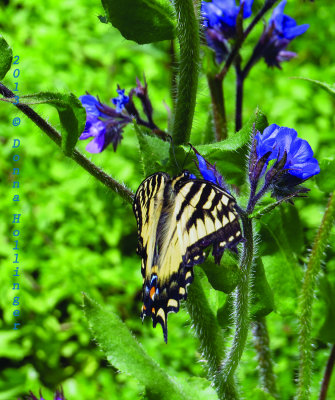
x,y
144,307
152,292
153,310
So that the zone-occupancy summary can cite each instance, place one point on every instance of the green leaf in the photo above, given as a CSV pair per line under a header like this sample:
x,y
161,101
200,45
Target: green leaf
x,y
230,154
154,151
327,292
292,228
323,85
6,57
326,178
281,278
126,354
262,300
144,21
223,277
71,113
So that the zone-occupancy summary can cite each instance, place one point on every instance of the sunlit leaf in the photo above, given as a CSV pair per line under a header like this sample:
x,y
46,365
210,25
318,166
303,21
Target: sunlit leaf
x,y
144,21
126,354
71,113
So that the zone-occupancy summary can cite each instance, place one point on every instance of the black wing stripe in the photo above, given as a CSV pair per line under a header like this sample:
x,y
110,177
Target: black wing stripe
x,y
193,191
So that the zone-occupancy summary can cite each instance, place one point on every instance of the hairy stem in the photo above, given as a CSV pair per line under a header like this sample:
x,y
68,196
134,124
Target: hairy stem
x,y
79,158
241,293
307,297
328,374
188,36
218,106
262,346
210,336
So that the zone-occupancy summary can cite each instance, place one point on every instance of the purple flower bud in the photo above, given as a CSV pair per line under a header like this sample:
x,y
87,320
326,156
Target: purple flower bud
x,y
59,395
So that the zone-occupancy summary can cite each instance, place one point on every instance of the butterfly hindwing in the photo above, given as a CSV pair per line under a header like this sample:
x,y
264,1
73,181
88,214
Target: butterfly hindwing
x,y
177,219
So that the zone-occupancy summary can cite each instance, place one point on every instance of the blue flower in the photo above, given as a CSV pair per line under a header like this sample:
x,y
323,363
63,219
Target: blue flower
x,y
206,172
219,19
281,142
121,100
103,123
281,30
209,171
222,15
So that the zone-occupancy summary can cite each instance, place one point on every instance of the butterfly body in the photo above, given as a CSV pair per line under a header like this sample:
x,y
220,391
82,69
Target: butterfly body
x,y
177,220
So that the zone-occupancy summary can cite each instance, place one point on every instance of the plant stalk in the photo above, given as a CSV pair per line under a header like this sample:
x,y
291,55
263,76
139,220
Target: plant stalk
x,y
241,293
239,96
262,346
232,55
328,374
218,106
307,298
210,335
189,42
79,158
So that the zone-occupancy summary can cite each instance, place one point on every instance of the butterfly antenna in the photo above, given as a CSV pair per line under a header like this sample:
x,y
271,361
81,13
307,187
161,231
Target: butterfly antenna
x,y
185,159
174,154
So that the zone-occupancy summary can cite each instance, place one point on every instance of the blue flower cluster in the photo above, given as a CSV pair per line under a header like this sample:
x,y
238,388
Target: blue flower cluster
x,y
278,140
220,19
291,161
103,123
280,31
278,158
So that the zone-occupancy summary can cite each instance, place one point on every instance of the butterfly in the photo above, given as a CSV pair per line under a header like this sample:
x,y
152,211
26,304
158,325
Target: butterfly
x,y
177,219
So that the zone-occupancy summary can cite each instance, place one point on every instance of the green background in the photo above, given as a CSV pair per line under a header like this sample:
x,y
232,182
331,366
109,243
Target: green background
x,y
76,236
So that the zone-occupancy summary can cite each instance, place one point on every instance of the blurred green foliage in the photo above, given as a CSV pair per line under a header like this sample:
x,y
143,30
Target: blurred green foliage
x,y
77,236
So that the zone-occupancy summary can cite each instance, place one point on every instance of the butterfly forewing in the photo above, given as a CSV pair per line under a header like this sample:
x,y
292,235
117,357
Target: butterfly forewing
x,y
177,219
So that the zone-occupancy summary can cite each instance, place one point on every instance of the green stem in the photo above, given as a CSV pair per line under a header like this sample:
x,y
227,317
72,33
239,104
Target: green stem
x,y
209,333
234,52
188,36
79,158
219,113
241,293
307,297
262,346
328,374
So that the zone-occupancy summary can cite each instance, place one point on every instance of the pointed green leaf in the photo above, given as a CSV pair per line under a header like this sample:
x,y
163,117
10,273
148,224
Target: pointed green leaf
x,y
6,57
223,277
71,113
262,300
154,151
230,154
144,21
126,354
282,281
323,85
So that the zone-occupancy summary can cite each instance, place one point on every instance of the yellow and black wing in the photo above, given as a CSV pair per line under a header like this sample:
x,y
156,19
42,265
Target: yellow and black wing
x,y
177,219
